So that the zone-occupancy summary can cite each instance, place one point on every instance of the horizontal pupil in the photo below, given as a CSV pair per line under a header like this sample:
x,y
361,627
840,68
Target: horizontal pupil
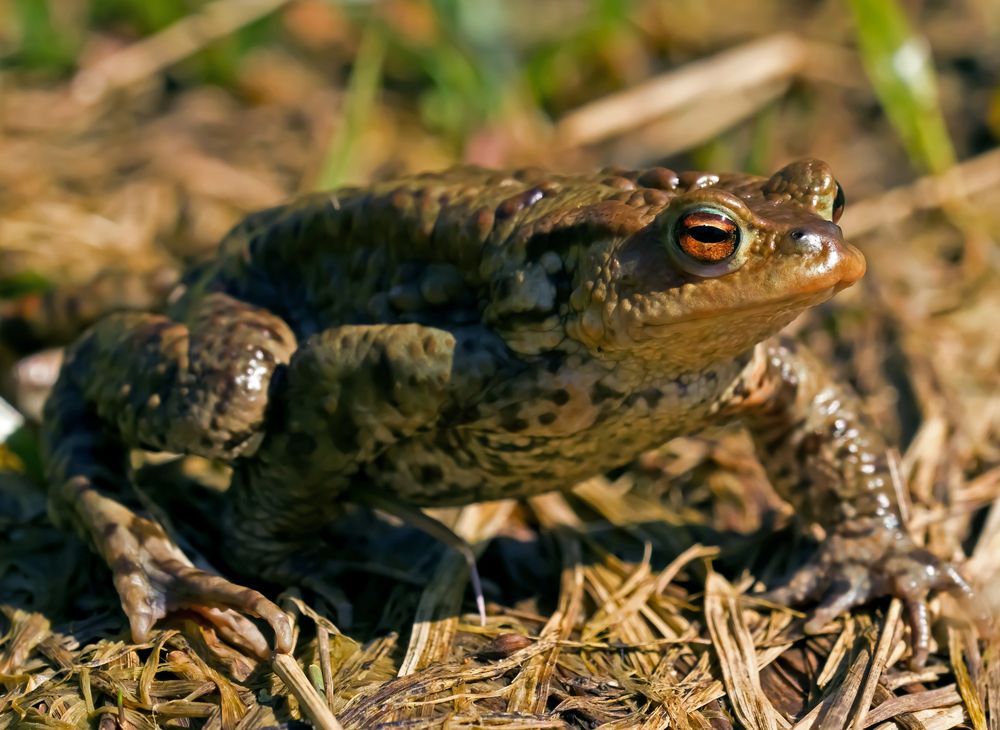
x,y
709,234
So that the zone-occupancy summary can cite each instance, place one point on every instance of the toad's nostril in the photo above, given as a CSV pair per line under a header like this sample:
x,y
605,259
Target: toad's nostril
x,y
804,240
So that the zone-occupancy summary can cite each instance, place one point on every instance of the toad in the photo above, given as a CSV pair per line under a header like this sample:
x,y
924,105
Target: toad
x,y
473,335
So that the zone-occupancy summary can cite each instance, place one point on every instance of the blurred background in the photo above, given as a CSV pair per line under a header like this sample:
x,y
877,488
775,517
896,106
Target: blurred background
x,y
134,133
147,127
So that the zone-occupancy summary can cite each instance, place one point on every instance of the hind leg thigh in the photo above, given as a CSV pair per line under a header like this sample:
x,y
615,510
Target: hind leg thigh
x,y
197,387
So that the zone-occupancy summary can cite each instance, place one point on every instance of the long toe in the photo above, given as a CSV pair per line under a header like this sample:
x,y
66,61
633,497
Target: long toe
x,y
920,630
198,590
805,584
850,589
236,629
153,577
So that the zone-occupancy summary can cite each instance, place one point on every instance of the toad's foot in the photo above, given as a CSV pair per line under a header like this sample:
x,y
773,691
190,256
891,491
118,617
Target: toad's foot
x,y
853,567
153,577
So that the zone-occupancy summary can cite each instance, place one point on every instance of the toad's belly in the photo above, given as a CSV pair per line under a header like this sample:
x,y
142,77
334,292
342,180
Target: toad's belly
x,y
465,465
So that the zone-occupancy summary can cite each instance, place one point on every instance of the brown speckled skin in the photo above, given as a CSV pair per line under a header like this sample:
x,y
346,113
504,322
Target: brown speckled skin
x,y
473,335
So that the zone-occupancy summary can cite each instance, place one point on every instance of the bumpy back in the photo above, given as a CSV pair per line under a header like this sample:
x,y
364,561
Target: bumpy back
x,y
425,243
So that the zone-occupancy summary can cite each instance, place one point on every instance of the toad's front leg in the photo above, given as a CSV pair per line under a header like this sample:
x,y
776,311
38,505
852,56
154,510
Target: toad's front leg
x,y
826,458
348,394
198,387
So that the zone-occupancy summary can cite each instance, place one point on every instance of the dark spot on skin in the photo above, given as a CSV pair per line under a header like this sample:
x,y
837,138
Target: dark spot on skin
x,y
450,494
491,396
600,393
784,471
301,445
546,418
542,243
515,425
507,448
616,472
560,231
502,288
443,441
275,390
236,440
554,361
430,344
125,566
73,305
343,433
811,443
652,396
430,474
382,372
526,173
511,420
560,397
256,244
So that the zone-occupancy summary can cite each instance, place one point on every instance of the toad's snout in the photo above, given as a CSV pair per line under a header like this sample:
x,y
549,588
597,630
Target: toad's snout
x,y
852,264
838,263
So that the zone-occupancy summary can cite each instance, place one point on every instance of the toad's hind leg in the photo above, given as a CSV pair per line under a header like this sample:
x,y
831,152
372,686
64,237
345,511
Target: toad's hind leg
x,y
197,387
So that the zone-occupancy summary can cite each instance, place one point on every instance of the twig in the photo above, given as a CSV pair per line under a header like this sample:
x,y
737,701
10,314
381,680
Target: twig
x,y
768,64
878,663
737,657
927,700
882,211
323,643
312,703
172,44
436,621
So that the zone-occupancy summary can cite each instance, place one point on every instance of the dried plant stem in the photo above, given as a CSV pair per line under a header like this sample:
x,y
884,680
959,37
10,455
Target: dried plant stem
x,y
312,703
174,43
767,63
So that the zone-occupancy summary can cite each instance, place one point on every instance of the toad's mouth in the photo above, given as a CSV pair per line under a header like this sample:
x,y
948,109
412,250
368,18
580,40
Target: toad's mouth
x,y
788,304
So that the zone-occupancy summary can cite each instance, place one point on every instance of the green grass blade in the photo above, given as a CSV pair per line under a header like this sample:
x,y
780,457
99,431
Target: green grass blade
x,y
361,92
43,44
899,65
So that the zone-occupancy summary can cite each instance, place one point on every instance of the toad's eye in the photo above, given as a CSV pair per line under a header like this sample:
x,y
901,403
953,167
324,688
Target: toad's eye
x,y
707,236
838,204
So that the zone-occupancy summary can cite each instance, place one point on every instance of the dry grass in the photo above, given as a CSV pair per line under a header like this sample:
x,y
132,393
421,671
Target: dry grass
x,y
625,604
